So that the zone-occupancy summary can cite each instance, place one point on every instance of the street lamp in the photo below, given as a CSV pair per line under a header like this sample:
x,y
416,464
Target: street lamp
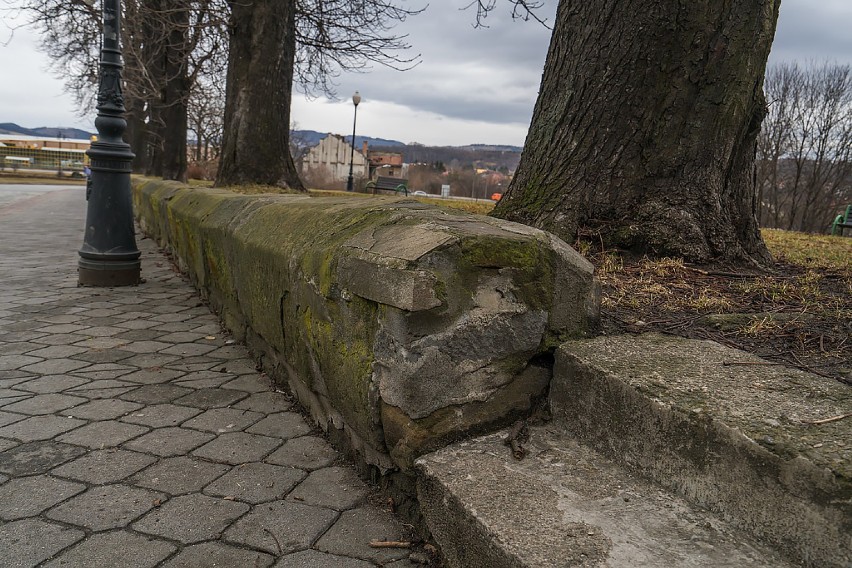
x,y
109,256
356,98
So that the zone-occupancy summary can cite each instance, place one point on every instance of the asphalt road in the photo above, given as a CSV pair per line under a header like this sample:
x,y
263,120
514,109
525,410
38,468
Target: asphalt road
x,y
13,193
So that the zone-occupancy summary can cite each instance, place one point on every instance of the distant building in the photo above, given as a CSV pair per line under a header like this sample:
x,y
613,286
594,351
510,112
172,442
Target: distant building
x,y
41,152
33,142
389,164
332,154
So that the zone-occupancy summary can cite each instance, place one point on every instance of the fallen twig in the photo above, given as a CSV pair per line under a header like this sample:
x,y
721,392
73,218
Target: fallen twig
x,y
518,434
827,420
756,363
275,538
390,544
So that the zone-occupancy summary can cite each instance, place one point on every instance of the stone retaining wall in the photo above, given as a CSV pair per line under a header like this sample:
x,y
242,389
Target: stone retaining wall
x,y
399,325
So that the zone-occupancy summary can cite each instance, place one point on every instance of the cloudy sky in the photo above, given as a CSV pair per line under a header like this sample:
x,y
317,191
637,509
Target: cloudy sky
x,y
472,86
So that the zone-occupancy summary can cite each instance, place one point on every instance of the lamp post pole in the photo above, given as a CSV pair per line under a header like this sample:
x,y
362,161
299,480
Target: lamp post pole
x,y
356,99
109,256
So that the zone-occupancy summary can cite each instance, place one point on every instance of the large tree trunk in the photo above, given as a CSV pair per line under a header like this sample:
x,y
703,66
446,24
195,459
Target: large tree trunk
x,y
255,149
175,90
645,128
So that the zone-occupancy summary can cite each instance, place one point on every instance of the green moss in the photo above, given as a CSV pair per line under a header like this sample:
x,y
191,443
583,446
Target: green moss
x,y
531,259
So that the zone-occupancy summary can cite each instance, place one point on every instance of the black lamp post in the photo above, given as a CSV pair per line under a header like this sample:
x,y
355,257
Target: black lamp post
x,y
356,98
109,256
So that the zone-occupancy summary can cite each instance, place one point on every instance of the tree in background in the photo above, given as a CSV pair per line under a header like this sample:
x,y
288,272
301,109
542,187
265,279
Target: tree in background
x,y
169,46
804,174
272,42
645,128
165,44
261,56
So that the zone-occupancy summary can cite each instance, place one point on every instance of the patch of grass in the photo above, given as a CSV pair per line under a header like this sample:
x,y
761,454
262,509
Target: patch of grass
x,y
200,183
476,207
809,251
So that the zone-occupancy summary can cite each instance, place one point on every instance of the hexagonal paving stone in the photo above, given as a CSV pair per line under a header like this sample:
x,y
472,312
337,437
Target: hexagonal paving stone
x,y
161,415
156,394
37,457
104,434
169,441
266,402
57,351
44,404
150,376
189,349
256,482
10,417
108,409
280,527
16,361
222,420
333,487
40,428
307,452
32,541
314,559
211,516
212,398
237,448
179,475
106,507
353,531
100,371
104,466
55,366
282,425
104,549
250,383
29,496
219,555
52,384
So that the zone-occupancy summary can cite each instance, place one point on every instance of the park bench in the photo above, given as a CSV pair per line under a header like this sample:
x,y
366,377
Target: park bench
x,y
386,183
842,222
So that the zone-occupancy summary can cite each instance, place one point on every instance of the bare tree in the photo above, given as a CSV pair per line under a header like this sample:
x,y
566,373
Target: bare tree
x,y
274,42
805,148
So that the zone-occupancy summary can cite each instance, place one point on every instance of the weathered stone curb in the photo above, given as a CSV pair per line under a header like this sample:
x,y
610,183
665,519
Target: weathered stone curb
x,y
722,428
566,505
397,324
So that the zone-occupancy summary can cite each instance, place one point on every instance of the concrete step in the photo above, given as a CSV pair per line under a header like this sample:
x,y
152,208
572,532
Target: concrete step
x,y
565,505
768,448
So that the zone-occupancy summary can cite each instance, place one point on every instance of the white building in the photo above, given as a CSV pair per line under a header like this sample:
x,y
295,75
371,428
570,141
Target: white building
x,y
332,153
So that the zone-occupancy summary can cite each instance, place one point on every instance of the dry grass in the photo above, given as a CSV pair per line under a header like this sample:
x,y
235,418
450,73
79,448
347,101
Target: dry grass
x,y
800,313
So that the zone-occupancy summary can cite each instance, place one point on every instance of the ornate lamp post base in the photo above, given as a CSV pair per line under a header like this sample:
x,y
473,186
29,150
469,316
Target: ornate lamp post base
x,y
109,256
108,273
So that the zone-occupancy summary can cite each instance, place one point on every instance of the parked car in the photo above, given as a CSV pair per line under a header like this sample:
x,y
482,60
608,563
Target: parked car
x,y
422,193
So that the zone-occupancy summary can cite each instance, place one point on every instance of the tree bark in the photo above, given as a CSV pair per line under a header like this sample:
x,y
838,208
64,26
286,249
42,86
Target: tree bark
x,y
175,90
645,128
255,149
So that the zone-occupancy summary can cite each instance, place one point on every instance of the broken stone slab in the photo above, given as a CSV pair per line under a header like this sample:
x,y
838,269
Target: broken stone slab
x,y
565,505
399,326
767,447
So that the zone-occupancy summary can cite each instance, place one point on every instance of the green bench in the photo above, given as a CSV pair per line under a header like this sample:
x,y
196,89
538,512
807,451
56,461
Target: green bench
x,y
842,222
386,183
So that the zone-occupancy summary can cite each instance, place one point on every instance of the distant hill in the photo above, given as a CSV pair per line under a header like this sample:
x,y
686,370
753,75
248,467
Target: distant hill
x,y
312,138
46,131
456,157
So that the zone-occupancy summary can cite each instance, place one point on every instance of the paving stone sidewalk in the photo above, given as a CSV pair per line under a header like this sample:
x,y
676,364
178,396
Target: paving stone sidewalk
x,y
133,432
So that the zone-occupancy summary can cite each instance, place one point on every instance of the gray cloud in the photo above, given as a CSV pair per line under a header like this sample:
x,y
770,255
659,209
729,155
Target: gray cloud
x,y
487,75
490,74
818,31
